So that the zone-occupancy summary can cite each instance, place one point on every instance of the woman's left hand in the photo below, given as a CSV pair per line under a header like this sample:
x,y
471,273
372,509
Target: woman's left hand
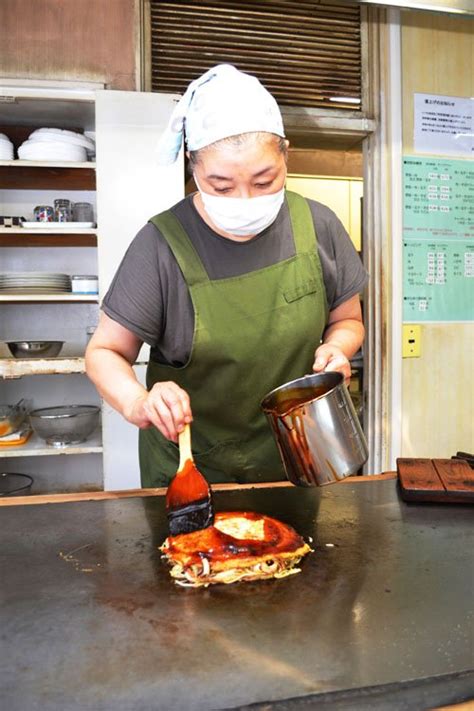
x,y
331,358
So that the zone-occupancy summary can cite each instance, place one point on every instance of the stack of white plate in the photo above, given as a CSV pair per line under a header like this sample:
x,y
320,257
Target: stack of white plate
x,y
56,144
6,148
34,283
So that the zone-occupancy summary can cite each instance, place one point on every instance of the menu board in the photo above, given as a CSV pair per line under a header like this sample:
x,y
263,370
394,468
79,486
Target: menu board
x,y
438,239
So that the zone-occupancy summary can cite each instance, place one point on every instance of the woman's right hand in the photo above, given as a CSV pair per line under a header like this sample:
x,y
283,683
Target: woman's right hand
x,y
166,406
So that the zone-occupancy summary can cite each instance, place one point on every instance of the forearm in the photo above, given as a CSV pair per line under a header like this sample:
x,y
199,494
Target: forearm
x,y
114,379
347,335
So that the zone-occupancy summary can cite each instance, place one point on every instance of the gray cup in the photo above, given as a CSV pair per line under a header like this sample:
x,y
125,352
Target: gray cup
x,y
316,429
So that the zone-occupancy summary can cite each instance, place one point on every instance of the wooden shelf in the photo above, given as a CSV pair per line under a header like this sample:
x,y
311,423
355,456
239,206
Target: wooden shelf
x,y
46,175
17,367
66,297
23,231
37,447
47,164
19,237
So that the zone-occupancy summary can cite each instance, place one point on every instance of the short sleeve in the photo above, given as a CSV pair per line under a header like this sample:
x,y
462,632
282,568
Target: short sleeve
x,y
134,298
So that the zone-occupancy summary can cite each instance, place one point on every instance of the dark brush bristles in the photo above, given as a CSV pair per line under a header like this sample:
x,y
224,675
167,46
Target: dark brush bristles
x,y
191,517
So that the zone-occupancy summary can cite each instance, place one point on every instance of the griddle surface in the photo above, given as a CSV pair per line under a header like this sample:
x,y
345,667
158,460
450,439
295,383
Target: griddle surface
x,y
90,618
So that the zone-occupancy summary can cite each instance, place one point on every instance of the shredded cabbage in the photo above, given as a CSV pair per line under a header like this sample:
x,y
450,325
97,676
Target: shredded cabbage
x,y
196,576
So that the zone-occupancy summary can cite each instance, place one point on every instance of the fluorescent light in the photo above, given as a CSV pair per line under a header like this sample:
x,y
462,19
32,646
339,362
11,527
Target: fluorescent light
x,y
344,99
451,6
22,92
48,89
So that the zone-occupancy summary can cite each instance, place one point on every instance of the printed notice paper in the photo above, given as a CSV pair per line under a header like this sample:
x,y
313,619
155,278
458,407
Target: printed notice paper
x,y
444,125
438,239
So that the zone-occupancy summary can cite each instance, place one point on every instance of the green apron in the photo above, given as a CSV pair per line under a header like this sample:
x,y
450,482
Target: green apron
x,y
252,333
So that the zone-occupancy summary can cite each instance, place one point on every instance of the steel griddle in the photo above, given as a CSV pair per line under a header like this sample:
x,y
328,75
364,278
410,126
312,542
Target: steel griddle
x,y
90,619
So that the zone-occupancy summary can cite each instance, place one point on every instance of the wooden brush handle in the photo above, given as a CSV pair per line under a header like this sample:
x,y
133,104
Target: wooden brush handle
x,y
184,439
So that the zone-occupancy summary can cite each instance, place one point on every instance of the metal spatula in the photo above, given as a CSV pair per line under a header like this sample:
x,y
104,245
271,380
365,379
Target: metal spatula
x,y
188,499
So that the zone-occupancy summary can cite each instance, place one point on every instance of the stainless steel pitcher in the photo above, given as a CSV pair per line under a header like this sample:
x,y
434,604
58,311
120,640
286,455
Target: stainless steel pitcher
x,y
316,429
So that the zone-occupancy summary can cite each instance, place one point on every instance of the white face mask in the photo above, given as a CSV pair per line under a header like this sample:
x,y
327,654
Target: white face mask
x,y
242,216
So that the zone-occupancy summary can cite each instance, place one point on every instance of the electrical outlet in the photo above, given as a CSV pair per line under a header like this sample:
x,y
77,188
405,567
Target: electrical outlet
x,y
411,341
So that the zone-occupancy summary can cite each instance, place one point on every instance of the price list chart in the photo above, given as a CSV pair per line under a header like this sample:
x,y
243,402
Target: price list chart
x,y
438,239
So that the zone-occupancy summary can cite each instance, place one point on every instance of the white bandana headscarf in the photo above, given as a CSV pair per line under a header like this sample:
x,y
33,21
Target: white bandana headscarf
x,y
222,102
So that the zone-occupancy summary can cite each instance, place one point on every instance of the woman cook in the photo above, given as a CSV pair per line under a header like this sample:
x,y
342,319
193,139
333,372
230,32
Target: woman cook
x,y
238,288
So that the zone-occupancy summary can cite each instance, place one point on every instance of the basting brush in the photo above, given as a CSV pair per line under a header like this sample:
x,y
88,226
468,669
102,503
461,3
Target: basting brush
x,y
188,499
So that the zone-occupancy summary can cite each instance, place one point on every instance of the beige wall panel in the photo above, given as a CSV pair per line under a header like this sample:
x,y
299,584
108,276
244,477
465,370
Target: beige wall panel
x,y
438,388
438,399
342,196
356,191
437,58
81,40
333,193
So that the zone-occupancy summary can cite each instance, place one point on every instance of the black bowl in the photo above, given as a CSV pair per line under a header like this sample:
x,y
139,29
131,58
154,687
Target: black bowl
x,y
15,484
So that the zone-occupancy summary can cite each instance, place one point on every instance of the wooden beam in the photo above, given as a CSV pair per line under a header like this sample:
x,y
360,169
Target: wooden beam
x,y
142,493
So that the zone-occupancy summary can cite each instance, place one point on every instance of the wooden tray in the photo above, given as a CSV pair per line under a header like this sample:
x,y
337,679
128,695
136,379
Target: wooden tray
x,y
437,480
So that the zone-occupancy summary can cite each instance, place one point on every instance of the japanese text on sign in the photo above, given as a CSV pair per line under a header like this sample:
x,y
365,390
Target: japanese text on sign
x,y
444,125
438,239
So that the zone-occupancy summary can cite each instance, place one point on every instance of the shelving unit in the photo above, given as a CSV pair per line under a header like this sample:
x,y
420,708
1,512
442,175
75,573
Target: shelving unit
x,y
18,367
37,447
62,315
130,187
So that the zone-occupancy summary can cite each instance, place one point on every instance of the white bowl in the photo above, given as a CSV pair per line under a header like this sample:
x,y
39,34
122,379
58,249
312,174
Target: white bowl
x,y
6,153
60,135
48,150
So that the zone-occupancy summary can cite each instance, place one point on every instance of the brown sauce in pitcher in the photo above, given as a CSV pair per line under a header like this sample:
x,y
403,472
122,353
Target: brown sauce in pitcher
x,y
294,397
296,451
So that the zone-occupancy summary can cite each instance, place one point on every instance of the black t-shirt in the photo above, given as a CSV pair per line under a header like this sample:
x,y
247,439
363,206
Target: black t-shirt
x,y
148,294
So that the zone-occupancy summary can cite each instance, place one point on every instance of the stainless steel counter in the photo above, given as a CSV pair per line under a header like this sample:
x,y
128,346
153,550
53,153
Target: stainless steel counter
x,y
91,620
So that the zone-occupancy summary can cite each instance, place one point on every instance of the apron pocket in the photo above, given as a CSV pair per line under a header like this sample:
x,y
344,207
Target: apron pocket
x,y
311,287
221,463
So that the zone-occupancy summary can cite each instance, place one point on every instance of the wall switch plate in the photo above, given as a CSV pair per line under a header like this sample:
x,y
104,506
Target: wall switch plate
x,y
411,341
